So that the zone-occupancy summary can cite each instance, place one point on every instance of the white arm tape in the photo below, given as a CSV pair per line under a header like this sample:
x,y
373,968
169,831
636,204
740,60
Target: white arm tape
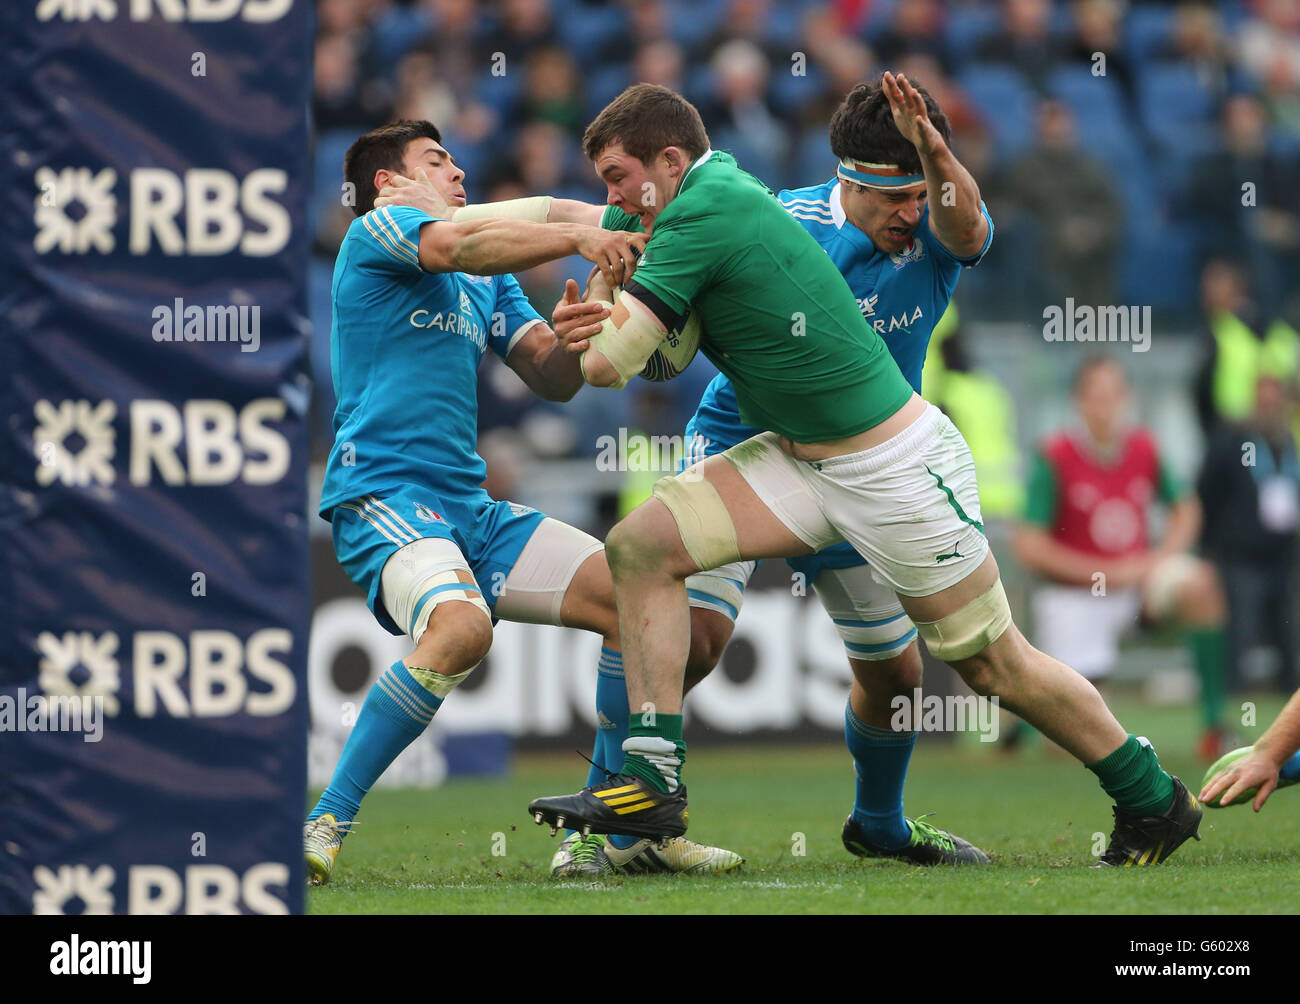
x,y
629,346
534,210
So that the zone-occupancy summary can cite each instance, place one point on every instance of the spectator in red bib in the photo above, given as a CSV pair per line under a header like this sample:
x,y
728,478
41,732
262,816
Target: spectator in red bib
x,y
1087,533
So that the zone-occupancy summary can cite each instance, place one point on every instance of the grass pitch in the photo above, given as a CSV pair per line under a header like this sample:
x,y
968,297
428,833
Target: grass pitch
x,y
469,846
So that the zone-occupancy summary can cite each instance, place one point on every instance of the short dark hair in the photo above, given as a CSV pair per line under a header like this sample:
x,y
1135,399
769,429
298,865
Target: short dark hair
x,y
1092,362
381,149
647,118
862,127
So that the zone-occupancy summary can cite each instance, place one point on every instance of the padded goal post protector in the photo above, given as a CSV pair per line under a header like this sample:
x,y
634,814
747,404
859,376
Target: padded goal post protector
x,y
153,534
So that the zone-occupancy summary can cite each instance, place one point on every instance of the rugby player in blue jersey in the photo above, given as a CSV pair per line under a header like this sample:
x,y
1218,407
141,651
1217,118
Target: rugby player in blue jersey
x,y
888,220
417,300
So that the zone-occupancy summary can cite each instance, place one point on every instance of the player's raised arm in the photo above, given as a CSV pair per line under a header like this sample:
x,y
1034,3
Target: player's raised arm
x,y
952,194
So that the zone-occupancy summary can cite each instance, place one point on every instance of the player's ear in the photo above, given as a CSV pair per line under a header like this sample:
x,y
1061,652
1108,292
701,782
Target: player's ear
x,y
675,159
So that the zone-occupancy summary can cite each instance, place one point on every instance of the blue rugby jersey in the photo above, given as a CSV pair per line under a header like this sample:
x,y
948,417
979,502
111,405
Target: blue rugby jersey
x,y
405,347
901,295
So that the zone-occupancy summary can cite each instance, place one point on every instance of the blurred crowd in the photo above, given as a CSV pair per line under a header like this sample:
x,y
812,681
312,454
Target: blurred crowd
x,y
1120,146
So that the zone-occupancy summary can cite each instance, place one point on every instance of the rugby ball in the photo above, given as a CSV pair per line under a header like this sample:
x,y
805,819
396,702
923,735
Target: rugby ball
x,y
676,350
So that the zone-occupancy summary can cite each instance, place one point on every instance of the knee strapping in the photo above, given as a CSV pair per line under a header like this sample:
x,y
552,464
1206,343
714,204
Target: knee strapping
x,y
970,630
705,525
422,575
440,684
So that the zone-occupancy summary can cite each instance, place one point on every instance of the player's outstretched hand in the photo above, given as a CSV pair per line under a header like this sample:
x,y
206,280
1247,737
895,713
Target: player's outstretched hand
x,y
910,116
575,321
614,252
416,192
1257,770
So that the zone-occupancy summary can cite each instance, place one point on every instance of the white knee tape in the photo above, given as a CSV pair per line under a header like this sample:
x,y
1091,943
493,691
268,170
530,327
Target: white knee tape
x,y
971,629
721,589
706,527
875,644
440,684
421,575
533,592
870,620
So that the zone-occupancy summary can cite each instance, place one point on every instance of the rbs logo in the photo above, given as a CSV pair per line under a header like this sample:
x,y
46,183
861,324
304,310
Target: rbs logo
x,y
203,442
256,11
205,211
209,674
157,889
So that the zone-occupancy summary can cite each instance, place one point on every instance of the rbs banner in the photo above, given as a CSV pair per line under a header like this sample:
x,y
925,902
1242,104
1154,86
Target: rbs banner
x,y
153,552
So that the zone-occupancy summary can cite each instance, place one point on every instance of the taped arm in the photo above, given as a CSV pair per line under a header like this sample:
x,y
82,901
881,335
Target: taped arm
x,y
626,340
537,209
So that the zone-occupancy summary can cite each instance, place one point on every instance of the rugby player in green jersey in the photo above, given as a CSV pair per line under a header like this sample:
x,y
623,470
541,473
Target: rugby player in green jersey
x,y
851,453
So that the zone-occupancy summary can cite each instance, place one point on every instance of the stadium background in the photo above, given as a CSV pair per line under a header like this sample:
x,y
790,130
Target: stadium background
x,y
168,491
1110,141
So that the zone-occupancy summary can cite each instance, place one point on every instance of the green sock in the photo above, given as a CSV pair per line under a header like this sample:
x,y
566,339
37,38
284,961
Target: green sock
x,y
1207,647
667,727
1133,777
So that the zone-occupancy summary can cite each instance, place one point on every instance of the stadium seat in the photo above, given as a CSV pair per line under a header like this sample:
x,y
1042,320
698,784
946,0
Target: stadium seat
x,y
879,17
699,86
397,32
1098,105
1105,129
692,22
1146,30
1158,267
593,28
814,160
1005,102
499,92
789,94
966,27
784,23
1175,107
603,86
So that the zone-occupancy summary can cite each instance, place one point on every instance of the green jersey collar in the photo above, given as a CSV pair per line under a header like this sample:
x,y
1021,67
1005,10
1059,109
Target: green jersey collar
x,y
706,155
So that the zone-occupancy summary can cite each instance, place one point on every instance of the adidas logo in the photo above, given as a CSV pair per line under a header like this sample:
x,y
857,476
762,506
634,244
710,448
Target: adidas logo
x,y
465,306
603,722
626,798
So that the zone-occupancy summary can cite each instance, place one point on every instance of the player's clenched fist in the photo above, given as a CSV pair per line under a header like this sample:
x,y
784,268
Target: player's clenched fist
x,y
576,321
614,252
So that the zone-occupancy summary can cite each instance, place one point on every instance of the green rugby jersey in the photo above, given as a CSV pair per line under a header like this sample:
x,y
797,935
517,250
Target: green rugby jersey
x,y
778,318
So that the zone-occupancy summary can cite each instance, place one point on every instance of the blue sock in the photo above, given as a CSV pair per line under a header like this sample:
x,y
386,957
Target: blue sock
x,y
396,712
1291,769
880,758
611,725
